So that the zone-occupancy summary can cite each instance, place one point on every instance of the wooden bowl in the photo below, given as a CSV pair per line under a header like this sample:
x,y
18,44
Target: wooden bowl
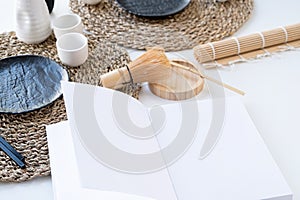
x,y
180,85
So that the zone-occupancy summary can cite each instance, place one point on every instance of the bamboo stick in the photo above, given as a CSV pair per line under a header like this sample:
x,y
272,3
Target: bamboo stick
x,y
209,78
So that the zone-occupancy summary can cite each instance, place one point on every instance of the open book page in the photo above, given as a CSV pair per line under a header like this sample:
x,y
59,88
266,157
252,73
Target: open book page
x,y
110,155
239,167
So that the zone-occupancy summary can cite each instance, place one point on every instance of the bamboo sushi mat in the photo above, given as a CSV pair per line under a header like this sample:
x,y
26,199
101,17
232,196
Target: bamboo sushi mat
x,y
200,22
26,132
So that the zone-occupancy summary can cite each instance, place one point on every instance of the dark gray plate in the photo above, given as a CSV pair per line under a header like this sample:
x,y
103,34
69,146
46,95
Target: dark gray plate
x,y
29,82
153,8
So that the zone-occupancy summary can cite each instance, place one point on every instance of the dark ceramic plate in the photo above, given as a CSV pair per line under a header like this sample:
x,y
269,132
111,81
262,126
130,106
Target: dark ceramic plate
x,y
153,8
29,82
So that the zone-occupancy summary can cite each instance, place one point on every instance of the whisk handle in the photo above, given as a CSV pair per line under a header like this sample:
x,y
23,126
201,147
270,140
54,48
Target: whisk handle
x,y
116,78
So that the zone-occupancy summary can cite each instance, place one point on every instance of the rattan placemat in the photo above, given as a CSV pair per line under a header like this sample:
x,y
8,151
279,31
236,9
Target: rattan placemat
x,y
200,22
26,132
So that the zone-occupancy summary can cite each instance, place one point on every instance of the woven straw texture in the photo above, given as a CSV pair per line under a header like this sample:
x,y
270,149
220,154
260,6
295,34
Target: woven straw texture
x,y
26,132
200,22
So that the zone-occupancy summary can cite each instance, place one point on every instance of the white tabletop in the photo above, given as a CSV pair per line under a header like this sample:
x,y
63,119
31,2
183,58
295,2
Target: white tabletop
x,y
272,98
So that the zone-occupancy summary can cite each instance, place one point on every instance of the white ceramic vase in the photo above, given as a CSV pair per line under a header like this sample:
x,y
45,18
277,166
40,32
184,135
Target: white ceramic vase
x,y
33,23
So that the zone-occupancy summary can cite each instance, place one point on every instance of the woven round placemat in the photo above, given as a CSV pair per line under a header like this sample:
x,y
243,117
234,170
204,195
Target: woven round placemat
x,y
200,22
26,132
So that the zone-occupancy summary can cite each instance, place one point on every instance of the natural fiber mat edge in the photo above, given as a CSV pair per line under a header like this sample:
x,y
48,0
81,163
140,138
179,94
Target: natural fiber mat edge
x,y
200,22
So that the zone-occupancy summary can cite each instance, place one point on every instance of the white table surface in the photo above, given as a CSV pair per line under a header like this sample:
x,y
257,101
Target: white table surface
x,y
272,98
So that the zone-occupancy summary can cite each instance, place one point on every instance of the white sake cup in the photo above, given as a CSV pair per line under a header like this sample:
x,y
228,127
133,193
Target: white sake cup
x,y
67,23
91,2
72,49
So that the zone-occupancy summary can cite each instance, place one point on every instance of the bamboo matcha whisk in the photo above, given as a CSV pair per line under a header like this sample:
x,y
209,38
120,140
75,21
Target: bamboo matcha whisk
x,y
152,66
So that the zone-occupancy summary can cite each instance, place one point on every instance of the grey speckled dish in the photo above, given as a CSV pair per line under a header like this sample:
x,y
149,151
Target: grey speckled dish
x,y
153,8
29,82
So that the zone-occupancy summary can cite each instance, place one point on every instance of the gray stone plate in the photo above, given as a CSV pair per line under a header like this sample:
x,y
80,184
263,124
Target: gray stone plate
x,y
29,82
153,8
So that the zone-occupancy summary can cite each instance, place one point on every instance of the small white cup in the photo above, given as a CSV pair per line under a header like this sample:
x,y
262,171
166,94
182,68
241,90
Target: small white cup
x,y
67,23
72,49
